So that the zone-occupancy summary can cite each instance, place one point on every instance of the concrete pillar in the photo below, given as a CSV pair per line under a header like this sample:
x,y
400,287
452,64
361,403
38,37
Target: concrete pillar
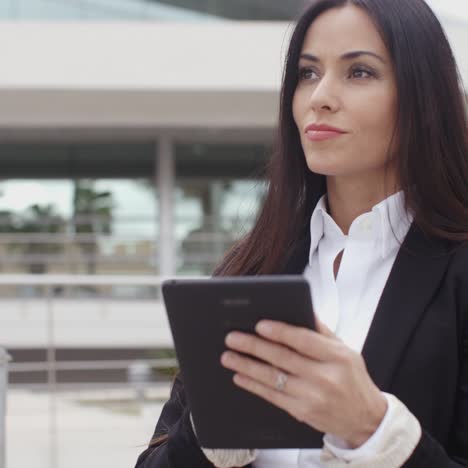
x,y
165,182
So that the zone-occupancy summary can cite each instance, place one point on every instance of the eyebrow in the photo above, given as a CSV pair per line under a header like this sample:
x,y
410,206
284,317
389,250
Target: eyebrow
x,y
348,56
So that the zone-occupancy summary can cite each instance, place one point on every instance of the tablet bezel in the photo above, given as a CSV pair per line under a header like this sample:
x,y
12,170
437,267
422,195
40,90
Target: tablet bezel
x,y
201,312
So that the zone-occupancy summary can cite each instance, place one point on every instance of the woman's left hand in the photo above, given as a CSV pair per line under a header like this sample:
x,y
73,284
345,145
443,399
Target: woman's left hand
x,y
328,386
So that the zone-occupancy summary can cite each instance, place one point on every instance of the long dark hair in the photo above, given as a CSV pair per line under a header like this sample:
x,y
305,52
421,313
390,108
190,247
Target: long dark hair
x,y
432,148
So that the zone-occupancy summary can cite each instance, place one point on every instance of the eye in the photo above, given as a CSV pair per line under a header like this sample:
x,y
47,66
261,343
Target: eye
x,y
305,73
360,72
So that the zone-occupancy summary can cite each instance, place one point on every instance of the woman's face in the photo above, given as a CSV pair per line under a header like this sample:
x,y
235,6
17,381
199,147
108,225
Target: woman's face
x,y
355,94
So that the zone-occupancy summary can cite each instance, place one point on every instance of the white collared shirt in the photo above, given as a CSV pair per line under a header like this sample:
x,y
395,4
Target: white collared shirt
x,y
347,305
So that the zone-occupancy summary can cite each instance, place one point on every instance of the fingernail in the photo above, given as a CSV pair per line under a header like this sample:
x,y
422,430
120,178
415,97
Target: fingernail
x,y
226,358
233,339
264,328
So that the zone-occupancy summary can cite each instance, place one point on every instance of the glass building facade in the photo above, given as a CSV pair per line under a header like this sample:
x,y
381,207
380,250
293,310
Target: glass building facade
x,y
170,10
81,204
94,208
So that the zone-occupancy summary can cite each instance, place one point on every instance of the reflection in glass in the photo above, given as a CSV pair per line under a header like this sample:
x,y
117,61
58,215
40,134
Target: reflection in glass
x,y
213,212
86,224
82,226
162,10
100,10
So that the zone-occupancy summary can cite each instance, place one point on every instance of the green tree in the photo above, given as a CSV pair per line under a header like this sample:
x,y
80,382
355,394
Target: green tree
x,y
41,219
38,222
92,216
8,222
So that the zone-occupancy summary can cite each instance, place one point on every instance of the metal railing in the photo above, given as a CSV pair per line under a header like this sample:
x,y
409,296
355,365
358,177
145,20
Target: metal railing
x,y
51,365
4,358
104,364
59,245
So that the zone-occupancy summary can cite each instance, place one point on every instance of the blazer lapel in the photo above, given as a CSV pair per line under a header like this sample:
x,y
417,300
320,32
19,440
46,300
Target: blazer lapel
x,y
418,269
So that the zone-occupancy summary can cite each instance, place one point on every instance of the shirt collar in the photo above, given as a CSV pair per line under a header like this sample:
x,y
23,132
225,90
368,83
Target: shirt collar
x,y
316,224
389,217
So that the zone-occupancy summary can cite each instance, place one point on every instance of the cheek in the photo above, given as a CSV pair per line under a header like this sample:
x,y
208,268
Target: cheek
x,y
374,136
375,118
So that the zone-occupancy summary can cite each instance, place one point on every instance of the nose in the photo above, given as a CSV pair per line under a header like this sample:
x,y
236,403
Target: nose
x,y
324,95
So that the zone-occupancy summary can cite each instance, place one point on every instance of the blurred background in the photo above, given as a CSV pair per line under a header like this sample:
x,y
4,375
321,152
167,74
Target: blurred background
x,y
134,136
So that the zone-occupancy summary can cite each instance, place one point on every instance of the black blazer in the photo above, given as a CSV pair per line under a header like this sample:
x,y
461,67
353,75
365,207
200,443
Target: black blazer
x,y
416,349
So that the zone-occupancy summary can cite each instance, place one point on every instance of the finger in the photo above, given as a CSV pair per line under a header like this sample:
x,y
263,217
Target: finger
x,y
279,399
273,353
323,329
263,373
305,341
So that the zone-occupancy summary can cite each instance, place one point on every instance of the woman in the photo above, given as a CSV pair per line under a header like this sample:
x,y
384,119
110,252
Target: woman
x,y
374,212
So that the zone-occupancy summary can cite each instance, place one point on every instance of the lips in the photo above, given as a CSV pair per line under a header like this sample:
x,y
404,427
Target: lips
x,y
323,128
319,132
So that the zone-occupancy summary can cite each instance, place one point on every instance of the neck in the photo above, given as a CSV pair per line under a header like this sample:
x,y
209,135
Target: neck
x,y
348,198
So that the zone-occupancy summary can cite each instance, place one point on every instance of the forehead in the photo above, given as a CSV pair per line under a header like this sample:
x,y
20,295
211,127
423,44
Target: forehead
x,y
340,30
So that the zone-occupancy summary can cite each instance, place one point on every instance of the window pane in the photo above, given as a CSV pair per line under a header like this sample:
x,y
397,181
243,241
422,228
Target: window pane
x,y
180,10
214,211
105,226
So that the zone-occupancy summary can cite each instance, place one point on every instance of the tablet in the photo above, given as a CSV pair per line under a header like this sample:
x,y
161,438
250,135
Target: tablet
x,y
201,312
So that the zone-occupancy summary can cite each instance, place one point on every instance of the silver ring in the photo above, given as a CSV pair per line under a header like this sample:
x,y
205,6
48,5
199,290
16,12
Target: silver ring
x,y
281,380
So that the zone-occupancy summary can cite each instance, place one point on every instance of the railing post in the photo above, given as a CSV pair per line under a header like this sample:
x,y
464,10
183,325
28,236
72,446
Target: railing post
x,y
51,379
4,358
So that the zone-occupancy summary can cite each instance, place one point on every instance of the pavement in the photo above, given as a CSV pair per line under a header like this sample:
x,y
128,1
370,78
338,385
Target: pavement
x,y
93,428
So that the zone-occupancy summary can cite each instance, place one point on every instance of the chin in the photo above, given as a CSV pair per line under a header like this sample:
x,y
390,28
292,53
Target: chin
x,y
324,167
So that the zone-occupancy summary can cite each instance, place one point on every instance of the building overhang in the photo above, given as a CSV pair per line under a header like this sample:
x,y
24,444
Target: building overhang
x,y
150,75
131,75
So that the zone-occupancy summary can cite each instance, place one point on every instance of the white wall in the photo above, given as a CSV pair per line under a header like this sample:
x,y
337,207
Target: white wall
x,y
152,74
140,74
